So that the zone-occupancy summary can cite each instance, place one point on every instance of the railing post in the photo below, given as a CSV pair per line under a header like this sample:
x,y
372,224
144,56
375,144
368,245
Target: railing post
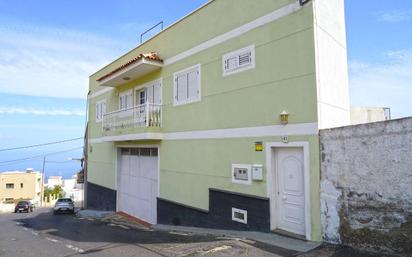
x,y
147,114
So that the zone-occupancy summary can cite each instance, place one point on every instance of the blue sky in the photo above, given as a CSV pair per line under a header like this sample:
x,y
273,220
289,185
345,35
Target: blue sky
x,y
49,48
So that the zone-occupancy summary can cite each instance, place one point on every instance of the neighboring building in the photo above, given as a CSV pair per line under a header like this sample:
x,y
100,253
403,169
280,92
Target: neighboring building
x,y
73,190
217,125
361,115
20,185
53,181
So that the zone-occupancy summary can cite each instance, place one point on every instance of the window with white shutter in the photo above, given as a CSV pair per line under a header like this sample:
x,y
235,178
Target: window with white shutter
x,y
187,86
239,60
100,110
126,100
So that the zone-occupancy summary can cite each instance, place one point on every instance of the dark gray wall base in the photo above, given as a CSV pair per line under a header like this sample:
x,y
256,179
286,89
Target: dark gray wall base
x,y
100,198
219,215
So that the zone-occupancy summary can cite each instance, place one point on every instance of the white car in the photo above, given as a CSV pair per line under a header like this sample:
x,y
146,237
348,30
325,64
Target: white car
x,y
64,205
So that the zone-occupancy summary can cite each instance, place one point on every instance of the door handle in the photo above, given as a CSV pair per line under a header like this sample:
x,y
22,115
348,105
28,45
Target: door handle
x,y
284,198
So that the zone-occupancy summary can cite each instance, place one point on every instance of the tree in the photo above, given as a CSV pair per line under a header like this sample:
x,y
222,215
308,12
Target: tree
x,y
57,191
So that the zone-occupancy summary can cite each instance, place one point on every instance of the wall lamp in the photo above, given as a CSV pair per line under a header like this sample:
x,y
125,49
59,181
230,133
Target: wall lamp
x,y
284,117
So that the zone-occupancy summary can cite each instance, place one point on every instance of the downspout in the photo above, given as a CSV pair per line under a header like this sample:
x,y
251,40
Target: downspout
x,y
85,152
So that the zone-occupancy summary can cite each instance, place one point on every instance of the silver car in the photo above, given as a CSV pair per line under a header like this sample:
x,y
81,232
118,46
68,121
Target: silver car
x,y
64,205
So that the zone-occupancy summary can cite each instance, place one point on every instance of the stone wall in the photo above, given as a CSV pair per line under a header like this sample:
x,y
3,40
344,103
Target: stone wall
x,y
366,185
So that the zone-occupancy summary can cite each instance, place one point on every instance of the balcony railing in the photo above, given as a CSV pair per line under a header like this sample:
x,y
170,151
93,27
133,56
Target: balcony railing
x,y
144,115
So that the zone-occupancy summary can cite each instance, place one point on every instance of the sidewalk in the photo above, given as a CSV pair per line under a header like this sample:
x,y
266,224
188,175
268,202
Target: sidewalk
x,y
267,238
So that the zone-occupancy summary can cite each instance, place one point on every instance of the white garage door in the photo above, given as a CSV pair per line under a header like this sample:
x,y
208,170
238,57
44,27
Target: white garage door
x,y
137,183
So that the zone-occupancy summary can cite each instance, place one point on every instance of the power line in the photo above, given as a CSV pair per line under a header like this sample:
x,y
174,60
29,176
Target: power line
x,y
44,144
3,163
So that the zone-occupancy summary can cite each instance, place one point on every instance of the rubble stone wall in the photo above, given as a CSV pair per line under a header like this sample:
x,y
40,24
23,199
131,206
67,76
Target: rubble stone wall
x,y
366,185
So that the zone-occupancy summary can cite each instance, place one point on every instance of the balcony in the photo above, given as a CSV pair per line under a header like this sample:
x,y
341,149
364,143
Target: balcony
x,y
141,116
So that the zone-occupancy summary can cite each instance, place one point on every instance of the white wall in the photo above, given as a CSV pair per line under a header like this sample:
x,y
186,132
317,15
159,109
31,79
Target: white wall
x,y
331,63
361,115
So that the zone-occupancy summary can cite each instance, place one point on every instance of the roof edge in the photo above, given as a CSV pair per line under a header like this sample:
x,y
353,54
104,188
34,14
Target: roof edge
x,y
155,36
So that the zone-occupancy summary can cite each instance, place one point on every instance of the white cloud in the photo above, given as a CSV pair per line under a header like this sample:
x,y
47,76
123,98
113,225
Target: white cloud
x,y
46,127
50,61
388,83
41,111
396,16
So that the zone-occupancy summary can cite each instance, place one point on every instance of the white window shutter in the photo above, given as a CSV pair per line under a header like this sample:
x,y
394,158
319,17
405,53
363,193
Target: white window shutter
x,y
103,111
182,87
193,84
97,111
232,63
245,59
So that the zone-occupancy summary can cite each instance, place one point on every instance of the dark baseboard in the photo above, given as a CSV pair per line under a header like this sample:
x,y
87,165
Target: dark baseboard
x,y
219,215
100,198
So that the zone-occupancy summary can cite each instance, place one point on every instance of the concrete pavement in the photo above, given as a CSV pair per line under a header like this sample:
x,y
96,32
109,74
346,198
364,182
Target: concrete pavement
x,y
43,234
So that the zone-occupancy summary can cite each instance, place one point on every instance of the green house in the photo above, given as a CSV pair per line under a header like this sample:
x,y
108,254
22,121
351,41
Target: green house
x,y
214,121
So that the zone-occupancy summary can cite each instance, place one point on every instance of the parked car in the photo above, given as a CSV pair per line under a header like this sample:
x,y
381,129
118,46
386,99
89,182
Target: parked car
x,y
24,206
64,205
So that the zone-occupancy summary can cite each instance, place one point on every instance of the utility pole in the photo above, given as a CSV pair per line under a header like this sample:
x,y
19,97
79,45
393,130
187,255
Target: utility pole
x,y
42,184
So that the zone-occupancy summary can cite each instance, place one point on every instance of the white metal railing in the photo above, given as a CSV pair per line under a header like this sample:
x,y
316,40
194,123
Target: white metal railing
x,y
144,115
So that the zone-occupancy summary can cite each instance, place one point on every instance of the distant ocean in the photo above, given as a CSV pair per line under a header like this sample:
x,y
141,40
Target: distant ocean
x,y
56,165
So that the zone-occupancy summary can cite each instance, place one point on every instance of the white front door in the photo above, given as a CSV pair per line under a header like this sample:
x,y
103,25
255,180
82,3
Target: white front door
x,y
137,183
291,191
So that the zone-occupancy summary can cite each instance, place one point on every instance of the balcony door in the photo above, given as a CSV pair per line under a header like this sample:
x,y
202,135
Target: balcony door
x,y
148,100
151,93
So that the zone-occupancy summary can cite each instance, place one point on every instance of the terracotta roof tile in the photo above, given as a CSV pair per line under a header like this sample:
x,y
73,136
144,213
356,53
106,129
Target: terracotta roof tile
x,y
150,56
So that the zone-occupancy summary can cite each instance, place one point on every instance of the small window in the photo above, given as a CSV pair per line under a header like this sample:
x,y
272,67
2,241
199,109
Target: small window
x,y
239,215
240,60
9,186
100,110
21,185
187,86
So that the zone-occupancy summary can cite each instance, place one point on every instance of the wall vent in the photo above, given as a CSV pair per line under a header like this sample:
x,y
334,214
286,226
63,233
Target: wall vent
x,y
239,215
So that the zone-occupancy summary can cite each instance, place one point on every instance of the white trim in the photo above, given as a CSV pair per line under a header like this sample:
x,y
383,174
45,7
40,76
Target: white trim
x,y
198,67
249,175
236,53
244,212
268,18
101,92
265,131
129,137
271,180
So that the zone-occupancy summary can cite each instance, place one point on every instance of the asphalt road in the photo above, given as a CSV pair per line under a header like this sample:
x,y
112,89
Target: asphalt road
x,y
42,234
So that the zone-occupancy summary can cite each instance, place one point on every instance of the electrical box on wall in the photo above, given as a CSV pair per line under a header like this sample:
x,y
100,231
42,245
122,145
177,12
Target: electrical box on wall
x,y
241,173
257,172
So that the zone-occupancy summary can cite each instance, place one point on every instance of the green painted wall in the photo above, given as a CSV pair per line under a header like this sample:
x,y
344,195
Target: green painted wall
x,y
284,79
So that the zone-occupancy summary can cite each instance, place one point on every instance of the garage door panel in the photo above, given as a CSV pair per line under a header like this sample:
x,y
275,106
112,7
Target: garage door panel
x,y
137,183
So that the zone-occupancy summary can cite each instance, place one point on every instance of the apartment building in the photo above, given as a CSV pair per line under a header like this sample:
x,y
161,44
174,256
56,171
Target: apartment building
x,y
20,185
214,121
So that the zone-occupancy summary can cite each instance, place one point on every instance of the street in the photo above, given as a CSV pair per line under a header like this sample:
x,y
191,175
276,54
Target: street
x,y
43,234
